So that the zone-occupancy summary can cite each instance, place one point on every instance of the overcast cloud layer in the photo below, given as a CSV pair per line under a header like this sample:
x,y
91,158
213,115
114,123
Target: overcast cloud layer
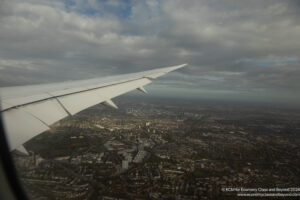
x,y
236,49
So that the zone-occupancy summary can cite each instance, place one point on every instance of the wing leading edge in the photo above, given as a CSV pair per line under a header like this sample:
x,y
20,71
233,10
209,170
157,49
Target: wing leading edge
x,y
29,110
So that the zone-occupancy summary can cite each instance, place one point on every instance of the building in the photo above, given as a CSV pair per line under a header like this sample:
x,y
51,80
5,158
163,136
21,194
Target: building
x,y
125,164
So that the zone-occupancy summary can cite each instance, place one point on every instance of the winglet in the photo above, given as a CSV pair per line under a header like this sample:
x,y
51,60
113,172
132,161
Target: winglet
x,y
110,103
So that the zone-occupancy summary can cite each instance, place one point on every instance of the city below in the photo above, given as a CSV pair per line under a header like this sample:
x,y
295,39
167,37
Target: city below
x,y
164,149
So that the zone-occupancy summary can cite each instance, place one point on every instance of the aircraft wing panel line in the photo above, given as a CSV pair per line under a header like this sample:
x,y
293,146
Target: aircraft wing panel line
x,y
54,109
63,107
21,126
18,102
93,97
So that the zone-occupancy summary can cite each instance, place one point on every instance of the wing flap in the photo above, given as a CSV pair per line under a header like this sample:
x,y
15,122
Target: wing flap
x,y
21,126
49,111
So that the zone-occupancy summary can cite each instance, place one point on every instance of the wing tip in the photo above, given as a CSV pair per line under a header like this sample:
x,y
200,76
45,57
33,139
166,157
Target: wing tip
x,y
178,66
183,65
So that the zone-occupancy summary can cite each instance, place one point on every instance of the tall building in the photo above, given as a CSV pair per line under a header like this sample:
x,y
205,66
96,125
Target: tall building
x,y
124,164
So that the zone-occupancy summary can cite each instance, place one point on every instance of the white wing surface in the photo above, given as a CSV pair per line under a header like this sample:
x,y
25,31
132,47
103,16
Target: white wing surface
x,y
29,110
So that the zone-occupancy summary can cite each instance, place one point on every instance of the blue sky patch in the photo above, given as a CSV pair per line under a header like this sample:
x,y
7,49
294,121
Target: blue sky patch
x,y
120,9
270,63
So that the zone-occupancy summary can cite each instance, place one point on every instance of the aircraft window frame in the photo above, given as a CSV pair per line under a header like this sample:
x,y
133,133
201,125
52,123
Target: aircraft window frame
x,y
10,177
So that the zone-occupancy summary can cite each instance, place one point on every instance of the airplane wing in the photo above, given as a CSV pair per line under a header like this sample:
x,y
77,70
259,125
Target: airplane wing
x,y
29,110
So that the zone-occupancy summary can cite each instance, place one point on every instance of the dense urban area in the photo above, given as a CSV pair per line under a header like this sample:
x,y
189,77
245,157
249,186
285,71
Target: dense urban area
x,y
164,149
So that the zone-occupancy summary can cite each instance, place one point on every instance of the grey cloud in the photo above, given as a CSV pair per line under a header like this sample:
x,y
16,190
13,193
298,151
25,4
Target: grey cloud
x,y
224,43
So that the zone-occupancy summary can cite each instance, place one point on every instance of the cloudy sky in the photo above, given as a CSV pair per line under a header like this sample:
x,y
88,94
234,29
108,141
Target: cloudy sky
x,y
245,50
